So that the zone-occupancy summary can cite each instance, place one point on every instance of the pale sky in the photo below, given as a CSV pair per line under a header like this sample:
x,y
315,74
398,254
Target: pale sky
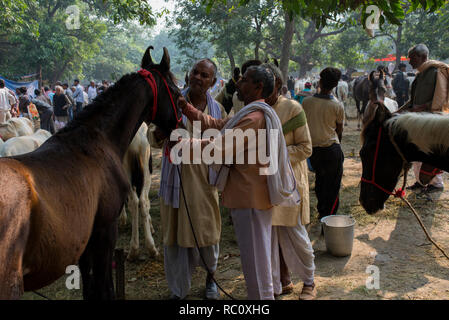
x,y
157,6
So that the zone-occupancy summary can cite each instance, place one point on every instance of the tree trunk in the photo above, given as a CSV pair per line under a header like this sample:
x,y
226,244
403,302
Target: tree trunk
x,y
287,44
304,68
398,50
231,59
256,51
57,74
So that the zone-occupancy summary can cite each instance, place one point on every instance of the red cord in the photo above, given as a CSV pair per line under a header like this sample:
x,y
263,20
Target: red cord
x,y
171,98
148,76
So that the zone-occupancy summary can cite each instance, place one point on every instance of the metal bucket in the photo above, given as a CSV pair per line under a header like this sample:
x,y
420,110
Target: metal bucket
x,y
338,234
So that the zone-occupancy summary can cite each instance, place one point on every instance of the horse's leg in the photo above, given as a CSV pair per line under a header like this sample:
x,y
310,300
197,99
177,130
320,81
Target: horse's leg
x,y
133,205
123,216
12,246
144,208
364,104
346,113
357,104
14,230
85,264
103,244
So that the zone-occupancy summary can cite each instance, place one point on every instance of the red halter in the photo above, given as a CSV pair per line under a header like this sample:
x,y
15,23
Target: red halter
x,y
399,192
148,76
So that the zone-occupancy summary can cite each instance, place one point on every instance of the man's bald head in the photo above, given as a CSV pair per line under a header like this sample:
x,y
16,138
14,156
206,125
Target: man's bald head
x,y
202,76
207,60
418,55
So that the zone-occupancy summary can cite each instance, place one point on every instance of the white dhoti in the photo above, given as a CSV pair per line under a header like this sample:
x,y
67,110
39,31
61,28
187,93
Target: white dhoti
x,y
297,252
180,263
253,232
437,181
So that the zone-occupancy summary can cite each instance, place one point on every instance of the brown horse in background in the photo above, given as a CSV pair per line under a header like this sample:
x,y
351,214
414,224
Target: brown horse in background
x,y
60,204
362,90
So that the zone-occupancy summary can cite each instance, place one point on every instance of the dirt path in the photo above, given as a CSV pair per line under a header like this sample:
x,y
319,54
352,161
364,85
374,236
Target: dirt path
x,y
392,240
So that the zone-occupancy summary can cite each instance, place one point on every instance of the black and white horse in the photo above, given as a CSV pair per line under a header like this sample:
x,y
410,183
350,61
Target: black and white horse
x,y
389,141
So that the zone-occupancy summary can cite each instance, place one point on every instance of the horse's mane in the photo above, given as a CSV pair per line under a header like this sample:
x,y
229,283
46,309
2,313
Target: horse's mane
x,y
425,130
104,103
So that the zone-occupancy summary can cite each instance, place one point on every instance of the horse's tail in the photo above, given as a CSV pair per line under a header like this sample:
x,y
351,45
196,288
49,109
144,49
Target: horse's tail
x,y
15,208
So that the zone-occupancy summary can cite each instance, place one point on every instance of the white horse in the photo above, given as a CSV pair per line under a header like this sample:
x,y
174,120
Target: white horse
x,y
390,92
24,144
16,127
341,91
137,166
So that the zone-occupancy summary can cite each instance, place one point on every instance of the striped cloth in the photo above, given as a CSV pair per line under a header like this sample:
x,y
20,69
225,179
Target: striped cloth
x,y
170,184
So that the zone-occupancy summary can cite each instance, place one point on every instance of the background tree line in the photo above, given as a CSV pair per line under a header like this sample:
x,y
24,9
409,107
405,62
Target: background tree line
x,y
266,29
300,34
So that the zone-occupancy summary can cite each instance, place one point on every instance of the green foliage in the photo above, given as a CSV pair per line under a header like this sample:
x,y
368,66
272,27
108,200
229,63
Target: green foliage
x,y
105,45
121,50
320,11
429,28
12,16
194,30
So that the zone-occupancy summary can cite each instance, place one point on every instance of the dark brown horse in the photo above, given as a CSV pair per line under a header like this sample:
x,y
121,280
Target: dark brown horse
x,y
361,91
60,204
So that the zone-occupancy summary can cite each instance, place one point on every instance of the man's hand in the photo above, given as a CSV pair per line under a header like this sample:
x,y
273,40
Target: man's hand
x,y
182,103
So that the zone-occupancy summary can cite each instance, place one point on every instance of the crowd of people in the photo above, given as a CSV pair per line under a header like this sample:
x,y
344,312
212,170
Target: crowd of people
x,y
51,107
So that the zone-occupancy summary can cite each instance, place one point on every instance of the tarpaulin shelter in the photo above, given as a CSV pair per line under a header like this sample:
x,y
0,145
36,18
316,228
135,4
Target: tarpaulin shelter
x,y
13,85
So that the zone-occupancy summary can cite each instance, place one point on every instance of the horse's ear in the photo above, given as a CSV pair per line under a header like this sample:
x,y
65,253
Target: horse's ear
x,y
371,76
275,61
147,60
165,62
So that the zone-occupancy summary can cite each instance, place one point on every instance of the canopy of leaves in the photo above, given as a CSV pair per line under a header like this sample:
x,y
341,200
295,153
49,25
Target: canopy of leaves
x,y
322,10
101,48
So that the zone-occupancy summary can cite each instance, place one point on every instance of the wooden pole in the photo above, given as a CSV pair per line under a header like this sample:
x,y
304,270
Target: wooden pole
x,y
119,259
40,76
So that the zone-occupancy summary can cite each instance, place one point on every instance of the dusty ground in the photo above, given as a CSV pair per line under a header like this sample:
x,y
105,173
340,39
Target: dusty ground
x,y
410,267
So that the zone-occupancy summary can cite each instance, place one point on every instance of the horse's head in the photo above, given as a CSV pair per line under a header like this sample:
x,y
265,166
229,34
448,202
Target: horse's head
x,y
377,86
381,164
167,114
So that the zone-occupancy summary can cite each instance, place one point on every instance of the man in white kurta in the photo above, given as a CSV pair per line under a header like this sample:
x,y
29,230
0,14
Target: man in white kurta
x,y
181,255
7,99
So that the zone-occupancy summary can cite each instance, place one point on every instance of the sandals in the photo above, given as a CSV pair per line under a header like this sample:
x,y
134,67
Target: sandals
x,y
285,289
308,293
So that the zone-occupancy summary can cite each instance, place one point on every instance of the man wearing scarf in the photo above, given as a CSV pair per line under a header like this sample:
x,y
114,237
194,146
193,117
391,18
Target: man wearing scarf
x,y
248,190
181,254
430,93
290,244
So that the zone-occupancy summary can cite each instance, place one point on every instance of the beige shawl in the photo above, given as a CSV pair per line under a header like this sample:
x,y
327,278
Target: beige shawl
x,y
440,102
